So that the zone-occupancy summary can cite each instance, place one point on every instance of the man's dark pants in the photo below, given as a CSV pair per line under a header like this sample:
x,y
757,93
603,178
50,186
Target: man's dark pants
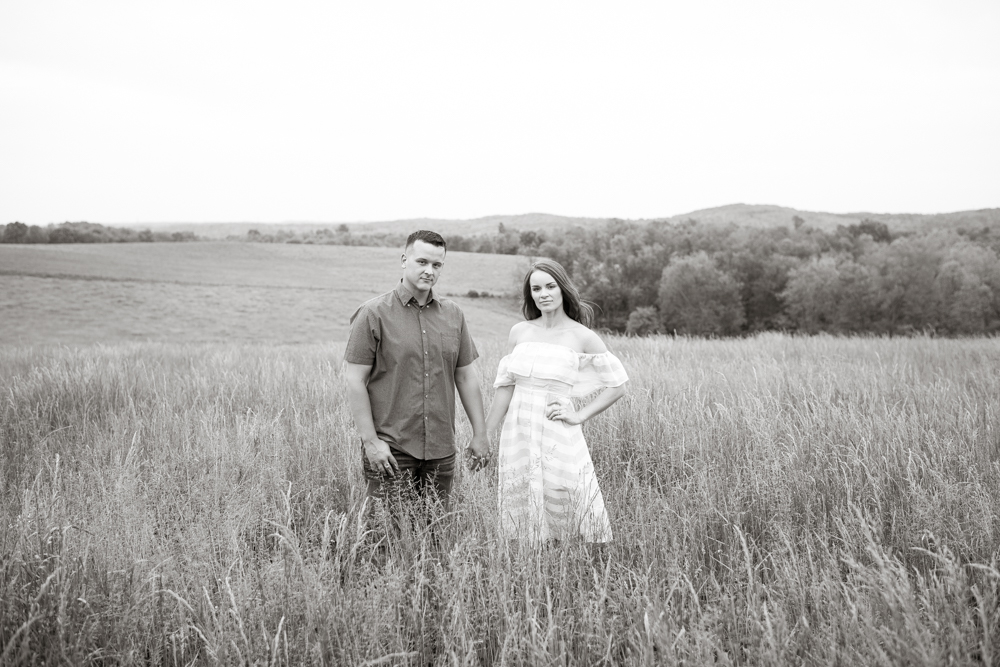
x,y
417,480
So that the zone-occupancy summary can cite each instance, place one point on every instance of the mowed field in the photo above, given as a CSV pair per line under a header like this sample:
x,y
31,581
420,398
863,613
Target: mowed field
x,y
219,291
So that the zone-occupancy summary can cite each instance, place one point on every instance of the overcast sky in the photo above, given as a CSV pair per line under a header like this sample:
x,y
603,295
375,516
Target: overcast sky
x,y
124,112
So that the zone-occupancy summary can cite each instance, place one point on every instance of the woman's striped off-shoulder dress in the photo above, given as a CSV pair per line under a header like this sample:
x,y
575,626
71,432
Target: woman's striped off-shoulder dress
x,y
547,484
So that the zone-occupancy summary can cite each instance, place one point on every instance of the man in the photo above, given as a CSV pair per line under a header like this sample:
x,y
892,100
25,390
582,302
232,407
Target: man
x,y
407,353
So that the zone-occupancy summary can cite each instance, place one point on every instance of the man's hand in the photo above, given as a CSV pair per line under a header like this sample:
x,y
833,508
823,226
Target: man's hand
x,y
380,458
477,454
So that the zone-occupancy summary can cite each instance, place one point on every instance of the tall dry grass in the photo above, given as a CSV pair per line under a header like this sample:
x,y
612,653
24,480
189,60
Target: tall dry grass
x,y
775,500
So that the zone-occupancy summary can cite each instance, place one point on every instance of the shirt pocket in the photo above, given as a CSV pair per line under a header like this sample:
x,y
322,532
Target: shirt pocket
x,y
450,346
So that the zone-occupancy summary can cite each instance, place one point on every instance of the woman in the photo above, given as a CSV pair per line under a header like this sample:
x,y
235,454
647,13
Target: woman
x,y
547,488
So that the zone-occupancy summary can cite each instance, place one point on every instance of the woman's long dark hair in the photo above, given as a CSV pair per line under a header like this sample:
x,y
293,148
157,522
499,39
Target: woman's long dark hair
x,y
575,307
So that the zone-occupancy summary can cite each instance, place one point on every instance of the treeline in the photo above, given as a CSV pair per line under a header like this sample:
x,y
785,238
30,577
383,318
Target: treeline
x,y
725,280
339,235
504,242
698,279
86,232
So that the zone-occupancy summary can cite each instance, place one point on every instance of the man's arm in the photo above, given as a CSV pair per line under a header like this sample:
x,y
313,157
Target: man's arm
x,y
467,383
376,450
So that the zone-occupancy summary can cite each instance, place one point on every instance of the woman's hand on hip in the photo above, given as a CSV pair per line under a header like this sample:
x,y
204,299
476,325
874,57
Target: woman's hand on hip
x,y
562,410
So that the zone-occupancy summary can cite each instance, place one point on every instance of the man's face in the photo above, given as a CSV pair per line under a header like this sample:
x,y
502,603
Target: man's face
x,y
422,264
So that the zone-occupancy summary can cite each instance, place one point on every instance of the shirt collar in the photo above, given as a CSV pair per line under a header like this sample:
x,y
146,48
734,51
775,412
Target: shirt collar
x,y
405,295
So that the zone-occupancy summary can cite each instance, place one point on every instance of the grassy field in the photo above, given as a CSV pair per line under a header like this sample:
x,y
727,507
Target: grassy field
x,y
204,292
775,501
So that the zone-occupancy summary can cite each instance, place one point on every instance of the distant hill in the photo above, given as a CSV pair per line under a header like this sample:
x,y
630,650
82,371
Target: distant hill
x,y
486,225
912,222
743,215
760,216
489,224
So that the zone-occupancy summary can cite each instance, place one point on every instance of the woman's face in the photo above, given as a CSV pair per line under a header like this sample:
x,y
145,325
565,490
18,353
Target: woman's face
x,y
545,292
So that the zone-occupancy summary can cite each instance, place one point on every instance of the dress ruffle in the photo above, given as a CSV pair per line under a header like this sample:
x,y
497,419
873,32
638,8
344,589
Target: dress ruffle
x,y
586,373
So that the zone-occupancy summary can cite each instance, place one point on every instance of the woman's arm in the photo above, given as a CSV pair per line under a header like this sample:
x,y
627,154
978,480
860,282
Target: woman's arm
x,y
591,344
502,396
601,402
498,409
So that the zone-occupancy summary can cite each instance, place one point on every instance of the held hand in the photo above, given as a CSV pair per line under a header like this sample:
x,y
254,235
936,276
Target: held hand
x,y
477,454
561,409
380,458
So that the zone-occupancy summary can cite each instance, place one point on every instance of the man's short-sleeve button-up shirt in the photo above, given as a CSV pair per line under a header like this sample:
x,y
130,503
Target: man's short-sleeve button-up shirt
x,y
413,351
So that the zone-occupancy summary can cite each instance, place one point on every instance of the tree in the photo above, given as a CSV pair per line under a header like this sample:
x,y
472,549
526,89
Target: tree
x,y
753,259
833,294
529,239
811,295
643,321
878,231
857,305
617,267
601,283
507,243
459,243
968,289
37,234
65,234
907,270
697,298
15,232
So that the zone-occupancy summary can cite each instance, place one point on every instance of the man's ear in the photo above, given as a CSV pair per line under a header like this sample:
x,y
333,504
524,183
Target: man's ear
x,y
402,259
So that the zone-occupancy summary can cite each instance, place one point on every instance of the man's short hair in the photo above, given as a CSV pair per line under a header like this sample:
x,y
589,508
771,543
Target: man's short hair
x,y
427,237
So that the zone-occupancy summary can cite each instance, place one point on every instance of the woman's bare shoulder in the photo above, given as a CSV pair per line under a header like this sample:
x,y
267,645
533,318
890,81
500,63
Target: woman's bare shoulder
x,y
517,334
589,341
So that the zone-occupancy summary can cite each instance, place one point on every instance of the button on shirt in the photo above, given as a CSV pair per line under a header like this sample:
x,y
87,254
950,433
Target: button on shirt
x,y
413,351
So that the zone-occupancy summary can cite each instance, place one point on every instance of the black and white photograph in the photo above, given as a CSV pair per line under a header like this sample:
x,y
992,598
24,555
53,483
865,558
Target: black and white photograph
x,y
526,333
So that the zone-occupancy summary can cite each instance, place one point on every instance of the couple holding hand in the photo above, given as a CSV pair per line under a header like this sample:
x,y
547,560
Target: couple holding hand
x,y
408,352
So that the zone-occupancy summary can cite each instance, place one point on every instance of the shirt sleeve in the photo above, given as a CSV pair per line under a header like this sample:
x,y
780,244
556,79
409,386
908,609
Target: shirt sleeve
x,y
467,352
598,371
364,339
